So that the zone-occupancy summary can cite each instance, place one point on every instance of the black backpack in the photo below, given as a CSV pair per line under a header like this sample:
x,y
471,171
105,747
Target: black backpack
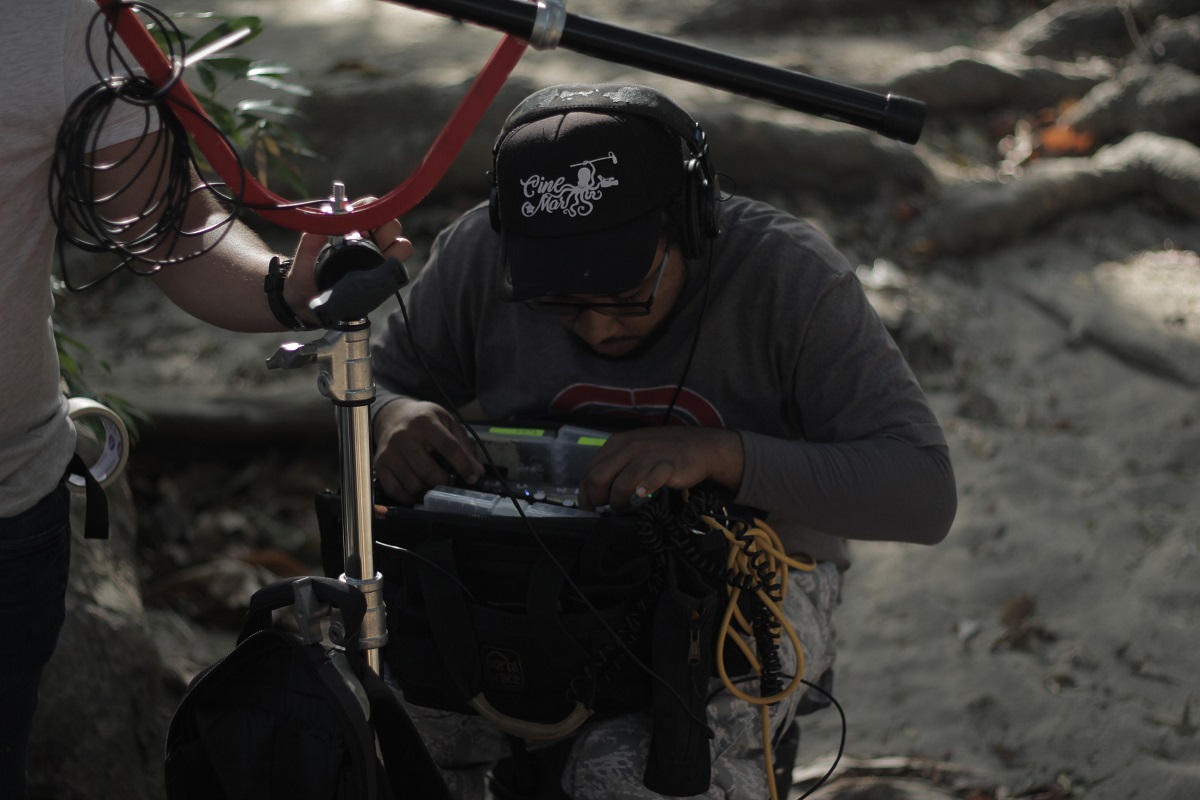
x,y
286,716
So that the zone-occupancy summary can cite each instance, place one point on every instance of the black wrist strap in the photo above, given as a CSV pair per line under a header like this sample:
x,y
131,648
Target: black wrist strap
x,y
277,274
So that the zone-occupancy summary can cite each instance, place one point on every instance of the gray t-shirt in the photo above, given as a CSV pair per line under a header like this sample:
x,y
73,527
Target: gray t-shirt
x,y
44,64
790,354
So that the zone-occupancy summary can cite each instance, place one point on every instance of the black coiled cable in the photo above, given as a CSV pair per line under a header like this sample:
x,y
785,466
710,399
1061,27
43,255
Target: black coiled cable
x,y
95,213
765,627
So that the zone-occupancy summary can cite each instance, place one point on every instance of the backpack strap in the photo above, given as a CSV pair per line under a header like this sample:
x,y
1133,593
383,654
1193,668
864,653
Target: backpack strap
x,y
366,701
334,667
409,767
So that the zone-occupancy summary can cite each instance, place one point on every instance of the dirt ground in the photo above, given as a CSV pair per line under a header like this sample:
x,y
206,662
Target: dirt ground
x,y
1047,649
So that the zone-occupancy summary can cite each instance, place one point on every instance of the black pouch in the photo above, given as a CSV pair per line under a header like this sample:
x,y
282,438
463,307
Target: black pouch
x,y
534,633
679,763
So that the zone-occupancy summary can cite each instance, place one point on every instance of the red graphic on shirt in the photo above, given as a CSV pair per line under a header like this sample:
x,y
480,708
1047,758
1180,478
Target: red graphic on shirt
x,y
645,404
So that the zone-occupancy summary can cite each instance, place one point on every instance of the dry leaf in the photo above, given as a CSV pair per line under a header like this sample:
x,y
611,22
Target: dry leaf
x,y
1063,139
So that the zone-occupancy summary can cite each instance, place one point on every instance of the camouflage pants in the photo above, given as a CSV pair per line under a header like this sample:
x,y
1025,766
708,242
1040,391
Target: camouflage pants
x,y
608,757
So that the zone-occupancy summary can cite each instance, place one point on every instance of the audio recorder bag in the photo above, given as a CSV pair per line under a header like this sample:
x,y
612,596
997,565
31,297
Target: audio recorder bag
x,y
483,618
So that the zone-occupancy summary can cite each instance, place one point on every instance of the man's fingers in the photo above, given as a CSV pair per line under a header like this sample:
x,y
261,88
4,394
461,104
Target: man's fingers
x,y
388,237
395,488
658,478
455,454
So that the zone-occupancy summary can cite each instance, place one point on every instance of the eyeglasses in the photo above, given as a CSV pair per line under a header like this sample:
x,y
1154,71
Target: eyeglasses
x,y
573,308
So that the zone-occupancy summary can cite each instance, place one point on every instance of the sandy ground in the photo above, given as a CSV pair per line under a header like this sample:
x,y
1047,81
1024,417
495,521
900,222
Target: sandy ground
x,y
1048,648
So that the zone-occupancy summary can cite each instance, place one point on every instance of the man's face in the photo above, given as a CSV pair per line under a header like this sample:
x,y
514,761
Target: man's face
x,y
595,318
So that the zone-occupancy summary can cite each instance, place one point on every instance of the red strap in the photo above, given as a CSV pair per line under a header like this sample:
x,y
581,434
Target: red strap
x,y
311,220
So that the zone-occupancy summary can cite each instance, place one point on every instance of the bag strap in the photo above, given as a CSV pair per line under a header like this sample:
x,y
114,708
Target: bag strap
x,y
454,636
408,764
341,674
449,619
95,519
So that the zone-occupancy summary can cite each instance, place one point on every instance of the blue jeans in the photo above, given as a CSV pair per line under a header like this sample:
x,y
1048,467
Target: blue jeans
x,y
35,552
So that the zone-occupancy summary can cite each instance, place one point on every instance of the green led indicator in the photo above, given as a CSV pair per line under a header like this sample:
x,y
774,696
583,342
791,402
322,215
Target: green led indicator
x,y
517,431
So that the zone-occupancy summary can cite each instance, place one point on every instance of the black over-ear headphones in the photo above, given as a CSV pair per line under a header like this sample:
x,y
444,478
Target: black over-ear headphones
x,y
702,192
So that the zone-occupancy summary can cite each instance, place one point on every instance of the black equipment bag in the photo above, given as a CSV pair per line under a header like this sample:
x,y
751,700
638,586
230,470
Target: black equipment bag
x,y
285,717
484,619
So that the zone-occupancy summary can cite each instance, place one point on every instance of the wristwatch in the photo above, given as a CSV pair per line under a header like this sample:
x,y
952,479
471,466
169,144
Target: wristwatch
x,y
277,274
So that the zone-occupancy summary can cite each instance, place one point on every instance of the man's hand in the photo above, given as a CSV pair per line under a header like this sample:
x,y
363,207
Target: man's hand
x,y
301,285
418,446
640,462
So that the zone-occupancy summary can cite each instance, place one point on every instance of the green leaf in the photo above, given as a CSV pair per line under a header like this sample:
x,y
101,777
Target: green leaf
x,y
236,67
197,15
227,122
268,68
68,363
207,77
253,24
250,108
272,82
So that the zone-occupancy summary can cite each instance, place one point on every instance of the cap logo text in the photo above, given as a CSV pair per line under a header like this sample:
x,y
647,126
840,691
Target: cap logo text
x,y
557,196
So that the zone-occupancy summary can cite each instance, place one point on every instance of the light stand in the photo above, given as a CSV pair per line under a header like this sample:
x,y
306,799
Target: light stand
x,y
344,357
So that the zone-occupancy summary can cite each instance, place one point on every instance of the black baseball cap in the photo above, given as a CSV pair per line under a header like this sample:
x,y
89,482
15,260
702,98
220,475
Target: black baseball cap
x,y
580,197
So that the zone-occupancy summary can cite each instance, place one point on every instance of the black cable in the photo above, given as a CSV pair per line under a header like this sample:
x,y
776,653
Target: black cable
x,y
404,551
763,622
841,742
833,701
160,165
687,364
150,237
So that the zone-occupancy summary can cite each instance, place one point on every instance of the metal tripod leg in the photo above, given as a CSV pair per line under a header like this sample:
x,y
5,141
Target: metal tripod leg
x,y
344,357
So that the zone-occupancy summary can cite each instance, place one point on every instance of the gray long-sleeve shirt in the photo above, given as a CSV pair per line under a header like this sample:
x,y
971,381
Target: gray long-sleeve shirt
x,y
840,441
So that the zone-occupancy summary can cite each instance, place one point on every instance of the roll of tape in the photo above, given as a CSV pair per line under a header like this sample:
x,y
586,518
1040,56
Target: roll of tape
x,y
112,444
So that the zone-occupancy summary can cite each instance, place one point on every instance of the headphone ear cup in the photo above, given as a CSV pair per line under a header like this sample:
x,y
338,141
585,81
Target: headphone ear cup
x,y
710,208
694,187
494,208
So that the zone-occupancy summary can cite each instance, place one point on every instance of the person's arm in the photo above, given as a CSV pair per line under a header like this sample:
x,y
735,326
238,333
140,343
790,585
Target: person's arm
x,y
873,461
420,374
224,286
875,465
881,488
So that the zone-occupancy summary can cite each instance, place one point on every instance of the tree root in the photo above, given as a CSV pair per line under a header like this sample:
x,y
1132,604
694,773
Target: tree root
x,y
976,216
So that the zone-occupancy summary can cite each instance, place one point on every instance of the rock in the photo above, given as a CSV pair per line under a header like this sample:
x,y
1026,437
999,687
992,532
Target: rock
x,y
101,721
